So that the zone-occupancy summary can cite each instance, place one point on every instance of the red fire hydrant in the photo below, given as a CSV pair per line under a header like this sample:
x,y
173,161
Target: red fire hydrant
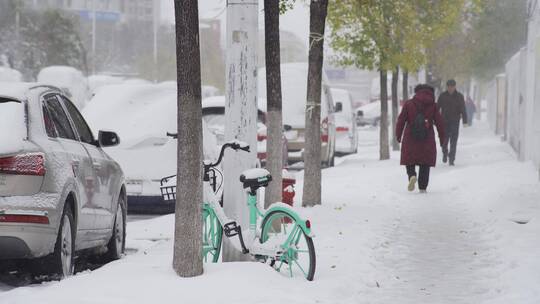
x,y
289,180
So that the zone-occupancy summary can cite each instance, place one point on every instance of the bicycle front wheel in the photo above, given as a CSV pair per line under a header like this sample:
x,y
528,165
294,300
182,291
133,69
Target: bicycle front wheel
x,y
212,235
298,257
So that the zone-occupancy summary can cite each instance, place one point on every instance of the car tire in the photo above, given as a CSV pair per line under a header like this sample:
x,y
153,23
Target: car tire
x,y
61,262
117,243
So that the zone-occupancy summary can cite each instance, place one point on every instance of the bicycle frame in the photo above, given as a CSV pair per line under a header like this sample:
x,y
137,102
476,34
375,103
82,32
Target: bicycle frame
x,y
251,236
253,233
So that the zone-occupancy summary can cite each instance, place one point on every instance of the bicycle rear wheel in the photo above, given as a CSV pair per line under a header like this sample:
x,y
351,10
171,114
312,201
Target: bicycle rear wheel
x,y
298,258
212,235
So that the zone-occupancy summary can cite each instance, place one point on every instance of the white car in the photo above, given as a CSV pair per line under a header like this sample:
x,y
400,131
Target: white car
x,y
213,110
370,114
60,193
346,132
70,80
142,114
294,91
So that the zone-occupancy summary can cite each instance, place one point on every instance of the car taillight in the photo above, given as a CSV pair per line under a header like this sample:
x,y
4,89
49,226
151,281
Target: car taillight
x,y
342,129
24,218
24,164
308,224
324,130
261,137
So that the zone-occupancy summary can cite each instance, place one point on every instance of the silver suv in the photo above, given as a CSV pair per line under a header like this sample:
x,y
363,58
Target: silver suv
x,y
59,192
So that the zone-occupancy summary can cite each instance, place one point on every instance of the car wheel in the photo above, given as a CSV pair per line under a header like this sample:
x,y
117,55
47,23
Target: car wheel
x,y
117,243
62,261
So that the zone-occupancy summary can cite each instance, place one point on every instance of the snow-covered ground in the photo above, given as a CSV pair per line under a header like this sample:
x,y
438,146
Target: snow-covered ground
x,y
376,243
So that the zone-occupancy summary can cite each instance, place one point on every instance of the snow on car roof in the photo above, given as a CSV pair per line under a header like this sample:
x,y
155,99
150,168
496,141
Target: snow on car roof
x,y
59,75
132,110
141,114
15,90
213,102
10,75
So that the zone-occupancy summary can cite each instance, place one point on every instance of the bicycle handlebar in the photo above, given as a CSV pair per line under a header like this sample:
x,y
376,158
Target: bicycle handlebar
x,y
235,145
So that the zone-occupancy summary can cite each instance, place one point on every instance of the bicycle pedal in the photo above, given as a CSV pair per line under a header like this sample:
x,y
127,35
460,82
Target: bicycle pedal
x,y
231,229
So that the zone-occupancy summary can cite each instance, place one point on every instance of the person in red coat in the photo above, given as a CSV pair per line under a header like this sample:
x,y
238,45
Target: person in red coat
x,y
414,151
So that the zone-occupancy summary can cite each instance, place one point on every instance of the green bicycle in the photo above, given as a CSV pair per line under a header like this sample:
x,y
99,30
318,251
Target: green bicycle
x,y
277,236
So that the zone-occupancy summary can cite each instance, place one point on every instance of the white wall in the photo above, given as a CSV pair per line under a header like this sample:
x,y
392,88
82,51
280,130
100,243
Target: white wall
x,y
515,90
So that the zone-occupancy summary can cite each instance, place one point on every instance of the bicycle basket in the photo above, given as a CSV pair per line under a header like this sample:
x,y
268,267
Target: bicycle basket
x,y
168,188
168,185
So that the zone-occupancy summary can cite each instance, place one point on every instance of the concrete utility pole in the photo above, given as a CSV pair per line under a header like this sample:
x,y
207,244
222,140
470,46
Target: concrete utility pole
x,y
240,108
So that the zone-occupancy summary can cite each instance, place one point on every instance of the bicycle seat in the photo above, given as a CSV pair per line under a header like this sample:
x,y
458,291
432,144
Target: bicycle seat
x,y
255,178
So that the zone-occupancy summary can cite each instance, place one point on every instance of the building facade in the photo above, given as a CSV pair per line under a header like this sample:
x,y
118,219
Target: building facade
x,y
106,10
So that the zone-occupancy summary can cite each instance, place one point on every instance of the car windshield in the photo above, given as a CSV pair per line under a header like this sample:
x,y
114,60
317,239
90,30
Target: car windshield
x,y
12,126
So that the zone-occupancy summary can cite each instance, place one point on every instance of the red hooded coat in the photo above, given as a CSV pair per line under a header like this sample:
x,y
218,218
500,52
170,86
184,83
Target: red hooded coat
x,y
413,151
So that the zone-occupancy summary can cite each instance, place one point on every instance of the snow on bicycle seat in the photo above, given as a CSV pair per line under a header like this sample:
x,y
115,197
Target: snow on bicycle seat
x,y
255,178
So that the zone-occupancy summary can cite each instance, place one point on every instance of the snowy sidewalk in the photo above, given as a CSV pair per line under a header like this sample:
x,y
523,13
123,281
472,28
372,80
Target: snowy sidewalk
x,y
375,242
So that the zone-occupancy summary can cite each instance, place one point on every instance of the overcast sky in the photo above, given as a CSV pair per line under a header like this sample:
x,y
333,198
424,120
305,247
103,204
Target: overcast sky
x,y
296,20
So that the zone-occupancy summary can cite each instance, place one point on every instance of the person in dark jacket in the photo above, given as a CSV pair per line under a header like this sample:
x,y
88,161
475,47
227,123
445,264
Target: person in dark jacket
x,y
414,151
452,106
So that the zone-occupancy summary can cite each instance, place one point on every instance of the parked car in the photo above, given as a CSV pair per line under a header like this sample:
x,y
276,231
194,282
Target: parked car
x,y
60,193
294,88
369,114
213,109
346,132
142,114
70,80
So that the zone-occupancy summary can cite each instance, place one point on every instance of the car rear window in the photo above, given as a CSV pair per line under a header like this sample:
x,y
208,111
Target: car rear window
x,y
13,130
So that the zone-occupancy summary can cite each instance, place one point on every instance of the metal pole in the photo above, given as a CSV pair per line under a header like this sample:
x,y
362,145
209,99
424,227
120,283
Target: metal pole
x,y
240,109
93,37
155,24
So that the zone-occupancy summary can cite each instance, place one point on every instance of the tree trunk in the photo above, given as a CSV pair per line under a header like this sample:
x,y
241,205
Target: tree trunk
x,y
274,121
312,151
405,85
395,98
384,149
187,260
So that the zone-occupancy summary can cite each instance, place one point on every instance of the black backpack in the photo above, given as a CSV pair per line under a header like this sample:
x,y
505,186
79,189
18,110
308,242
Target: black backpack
x,y
419,127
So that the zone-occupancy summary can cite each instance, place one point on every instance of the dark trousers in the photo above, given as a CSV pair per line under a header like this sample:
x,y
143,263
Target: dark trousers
x,y
423,175
452,133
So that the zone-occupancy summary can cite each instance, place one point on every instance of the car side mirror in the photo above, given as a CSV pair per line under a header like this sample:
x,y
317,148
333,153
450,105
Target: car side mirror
x,y
360,113
339,107
108,139
287,127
